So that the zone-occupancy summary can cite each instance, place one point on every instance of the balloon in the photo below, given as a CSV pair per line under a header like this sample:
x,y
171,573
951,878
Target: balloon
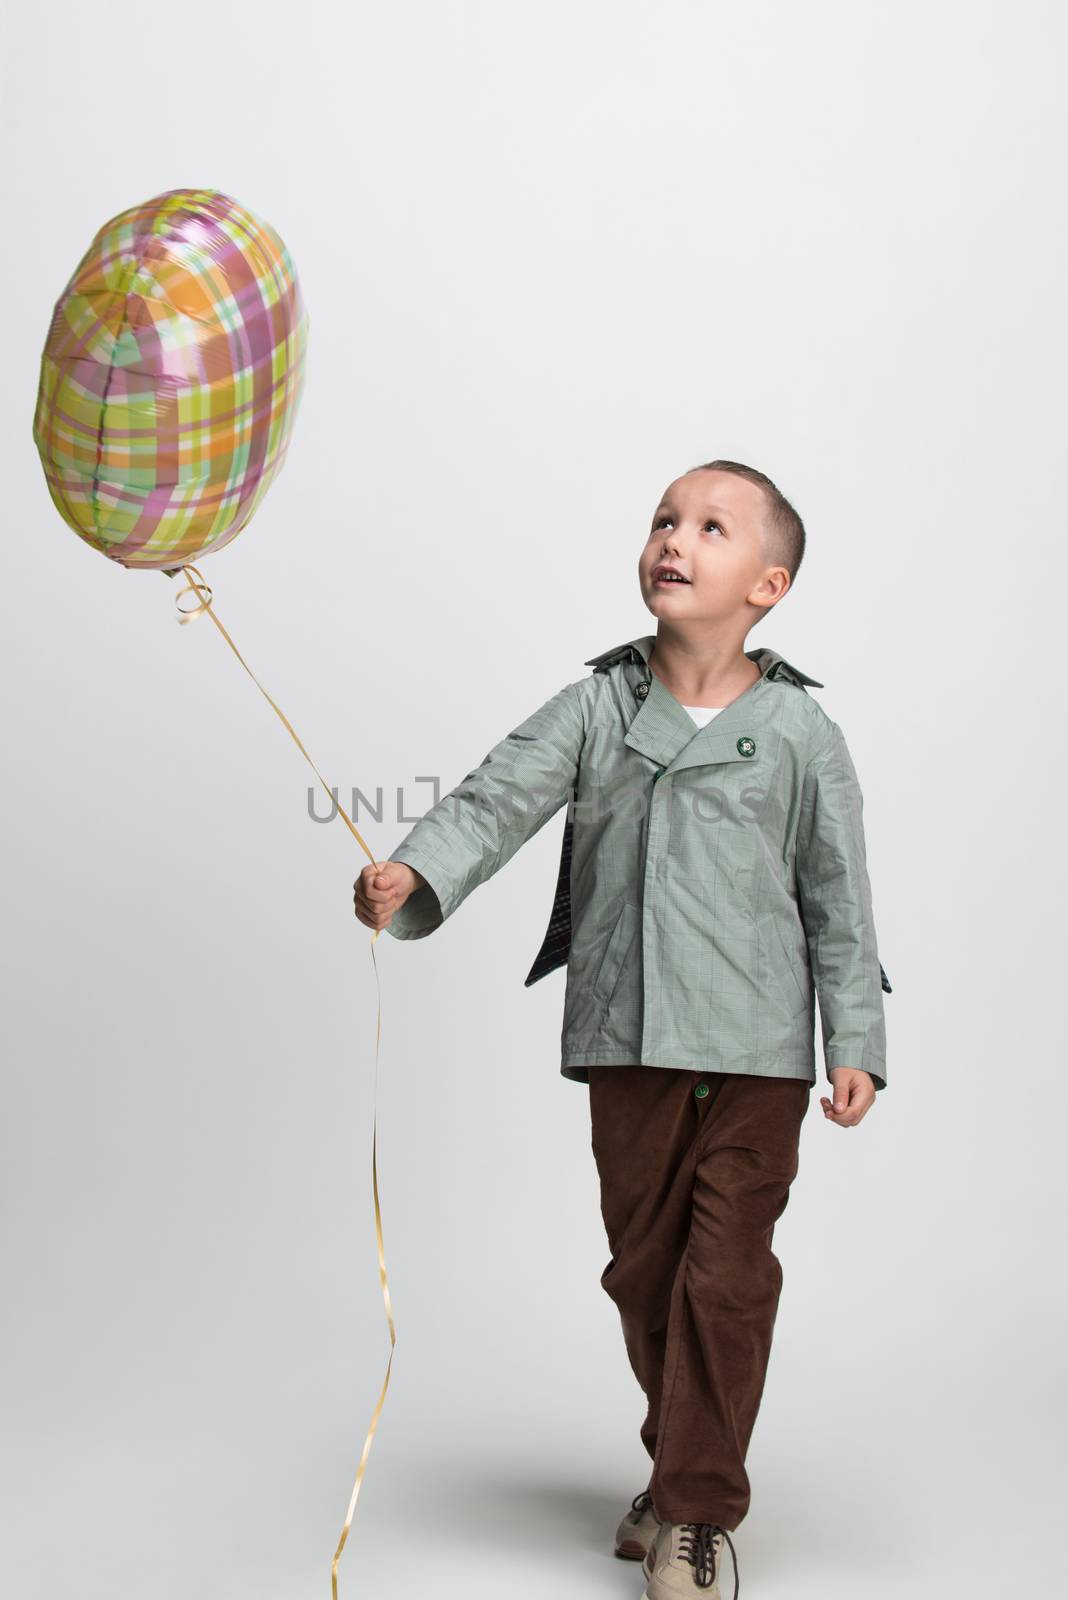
x,y
170,378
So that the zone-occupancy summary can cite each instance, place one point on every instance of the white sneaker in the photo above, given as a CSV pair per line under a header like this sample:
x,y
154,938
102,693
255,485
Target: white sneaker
x,y
636,1532
685,1559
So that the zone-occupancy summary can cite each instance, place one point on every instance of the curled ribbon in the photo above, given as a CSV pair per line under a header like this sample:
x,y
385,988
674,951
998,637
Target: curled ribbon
x,y
196,585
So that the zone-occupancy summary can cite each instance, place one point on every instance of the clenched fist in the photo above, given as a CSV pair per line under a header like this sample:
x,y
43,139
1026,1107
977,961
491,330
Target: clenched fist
x,y
381,889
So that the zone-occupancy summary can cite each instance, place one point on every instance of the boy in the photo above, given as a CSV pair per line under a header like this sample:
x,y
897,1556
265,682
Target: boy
x,y
713,881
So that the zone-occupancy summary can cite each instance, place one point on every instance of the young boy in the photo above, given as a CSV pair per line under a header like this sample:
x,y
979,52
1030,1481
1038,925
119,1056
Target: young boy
x,y
713,882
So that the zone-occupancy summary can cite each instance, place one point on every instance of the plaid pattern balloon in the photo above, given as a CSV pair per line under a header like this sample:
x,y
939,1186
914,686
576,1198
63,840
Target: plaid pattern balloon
x,y
170,379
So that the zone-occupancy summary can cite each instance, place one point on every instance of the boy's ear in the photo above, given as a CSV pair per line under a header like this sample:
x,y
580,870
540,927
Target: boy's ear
x,y
782,579
772,587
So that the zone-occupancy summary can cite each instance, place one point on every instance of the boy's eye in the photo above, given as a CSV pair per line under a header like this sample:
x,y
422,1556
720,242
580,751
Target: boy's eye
x,y
709,524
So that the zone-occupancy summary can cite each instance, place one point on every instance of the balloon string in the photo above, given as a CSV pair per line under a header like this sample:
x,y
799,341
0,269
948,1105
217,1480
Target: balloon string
x,y
204,604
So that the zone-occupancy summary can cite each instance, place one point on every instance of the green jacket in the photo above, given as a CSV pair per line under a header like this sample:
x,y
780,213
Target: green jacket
x,y
713,880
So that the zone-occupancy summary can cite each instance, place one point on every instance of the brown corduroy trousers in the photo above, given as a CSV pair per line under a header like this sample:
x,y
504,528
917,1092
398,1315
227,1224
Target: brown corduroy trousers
x,y
695,1169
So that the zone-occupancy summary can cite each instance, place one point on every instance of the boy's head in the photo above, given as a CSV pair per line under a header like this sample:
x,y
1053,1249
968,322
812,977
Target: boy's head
x,y
732,535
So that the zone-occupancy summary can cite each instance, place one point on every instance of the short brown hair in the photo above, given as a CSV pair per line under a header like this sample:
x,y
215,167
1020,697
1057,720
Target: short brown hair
x,y
784,530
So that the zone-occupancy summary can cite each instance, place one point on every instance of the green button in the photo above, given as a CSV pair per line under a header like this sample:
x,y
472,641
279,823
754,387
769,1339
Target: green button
x,y
659,773
746,746
701,1090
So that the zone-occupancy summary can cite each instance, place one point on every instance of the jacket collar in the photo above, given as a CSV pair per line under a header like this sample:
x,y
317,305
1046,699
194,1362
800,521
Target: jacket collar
x,y
665,732
771,664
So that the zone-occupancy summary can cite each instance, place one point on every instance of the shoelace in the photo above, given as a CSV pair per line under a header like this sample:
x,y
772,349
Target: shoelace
x,y
697,1545
641,1502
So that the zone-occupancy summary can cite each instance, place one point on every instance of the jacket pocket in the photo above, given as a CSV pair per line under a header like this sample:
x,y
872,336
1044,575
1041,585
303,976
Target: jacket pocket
x,y
783,968
616,951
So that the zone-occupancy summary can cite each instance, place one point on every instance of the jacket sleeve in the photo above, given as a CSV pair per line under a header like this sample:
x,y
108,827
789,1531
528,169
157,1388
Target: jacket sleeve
x,y
477,827
835,901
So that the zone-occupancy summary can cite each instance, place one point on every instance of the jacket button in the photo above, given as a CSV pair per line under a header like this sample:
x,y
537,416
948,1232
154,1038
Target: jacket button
x,y
701,1090
642,690
746,746
659,773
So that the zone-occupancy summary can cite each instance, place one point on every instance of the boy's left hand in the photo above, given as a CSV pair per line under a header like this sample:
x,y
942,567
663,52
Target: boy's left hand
x,y
854,1092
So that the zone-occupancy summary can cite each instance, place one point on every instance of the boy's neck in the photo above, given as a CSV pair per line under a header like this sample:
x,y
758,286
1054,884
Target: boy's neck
x,y
703,672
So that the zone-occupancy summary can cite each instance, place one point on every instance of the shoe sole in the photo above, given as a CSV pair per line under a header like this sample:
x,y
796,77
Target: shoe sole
x,y
631,1550
646,1595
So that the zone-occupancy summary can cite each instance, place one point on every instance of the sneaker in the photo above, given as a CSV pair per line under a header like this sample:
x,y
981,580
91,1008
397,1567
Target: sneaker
x,y
686,1558
636,1532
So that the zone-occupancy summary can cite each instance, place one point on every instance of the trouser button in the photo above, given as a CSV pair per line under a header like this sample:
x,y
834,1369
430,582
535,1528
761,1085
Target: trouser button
x,y
701,1090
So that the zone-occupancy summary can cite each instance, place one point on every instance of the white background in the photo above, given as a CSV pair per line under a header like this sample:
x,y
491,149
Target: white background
x,y
553,256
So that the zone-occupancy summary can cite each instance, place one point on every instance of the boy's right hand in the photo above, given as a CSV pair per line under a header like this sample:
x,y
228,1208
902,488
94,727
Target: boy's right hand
x,y
381,889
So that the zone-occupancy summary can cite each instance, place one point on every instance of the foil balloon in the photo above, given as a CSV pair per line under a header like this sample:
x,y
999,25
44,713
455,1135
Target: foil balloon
x,y
170,378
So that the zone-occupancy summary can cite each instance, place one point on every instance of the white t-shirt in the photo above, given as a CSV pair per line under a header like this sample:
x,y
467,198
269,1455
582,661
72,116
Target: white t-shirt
x,y
703,714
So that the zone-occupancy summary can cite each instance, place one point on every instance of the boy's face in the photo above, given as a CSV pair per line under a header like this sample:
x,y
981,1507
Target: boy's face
x,y
710,527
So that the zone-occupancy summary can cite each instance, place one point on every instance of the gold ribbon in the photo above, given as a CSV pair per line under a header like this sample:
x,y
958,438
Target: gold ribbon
x,y
203,592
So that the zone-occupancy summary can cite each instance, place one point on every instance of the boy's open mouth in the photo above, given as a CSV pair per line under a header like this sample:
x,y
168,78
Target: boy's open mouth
x,y
662,576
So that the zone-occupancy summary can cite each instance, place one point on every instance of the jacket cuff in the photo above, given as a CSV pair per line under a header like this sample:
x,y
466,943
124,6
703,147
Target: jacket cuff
x,y
876,1069
424,910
